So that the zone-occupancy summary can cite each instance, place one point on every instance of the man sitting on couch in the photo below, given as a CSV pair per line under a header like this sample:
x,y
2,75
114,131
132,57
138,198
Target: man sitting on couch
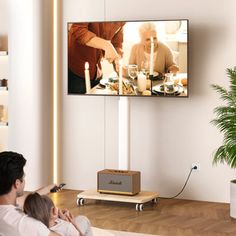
x,y
13,221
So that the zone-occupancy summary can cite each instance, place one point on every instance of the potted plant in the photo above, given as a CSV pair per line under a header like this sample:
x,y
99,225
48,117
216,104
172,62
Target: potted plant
x,y
225,121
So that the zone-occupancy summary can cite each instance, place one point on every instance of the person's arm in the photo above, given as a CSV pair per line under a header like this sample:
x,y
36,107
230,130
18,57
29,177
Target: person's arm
x,y
99,43
67,216
173,69
81,33
86,37
77,227
31,226
45,190
42,191
72,221
53,234
170,63
117,41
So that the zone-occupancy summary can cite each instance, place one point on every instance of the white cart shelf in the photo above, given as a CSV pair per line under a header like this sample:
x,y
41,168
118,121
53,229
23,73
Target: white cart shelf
x,y
139,199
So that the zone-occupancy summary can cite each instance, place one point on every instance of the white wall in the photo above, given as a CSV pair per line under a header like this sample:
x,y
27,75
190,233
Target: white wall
x,y
167,134
30,87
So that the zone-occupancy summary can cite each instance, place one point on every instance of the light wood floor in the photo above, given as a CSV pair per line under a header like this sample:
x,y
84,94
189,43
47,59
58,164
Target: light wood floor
x,y
174,217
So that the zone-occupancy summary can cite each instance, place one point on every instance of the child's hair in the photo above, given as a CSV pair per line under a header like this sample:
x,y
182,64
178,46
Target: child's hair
x,y
39,207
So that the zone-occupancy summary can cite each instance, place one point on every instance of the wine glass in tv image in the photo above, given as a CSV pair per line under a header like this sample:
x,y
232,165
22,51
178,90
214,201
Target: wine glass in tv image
x,y
169,85
133,71
145,67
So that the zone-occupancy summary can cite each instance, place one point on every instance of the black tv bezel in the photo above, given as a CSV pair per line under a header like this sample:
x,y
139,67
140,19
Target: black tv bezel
x,y
125,95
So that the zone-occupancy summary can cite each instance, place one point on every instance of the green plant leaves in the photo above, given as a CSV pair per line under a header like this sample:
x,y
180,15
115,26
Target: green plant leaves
x,y
225,121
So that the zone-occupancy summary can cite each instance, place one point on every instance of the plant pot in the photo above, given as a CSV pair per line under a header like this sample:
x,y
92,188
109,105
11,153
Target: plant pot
x,y
233,198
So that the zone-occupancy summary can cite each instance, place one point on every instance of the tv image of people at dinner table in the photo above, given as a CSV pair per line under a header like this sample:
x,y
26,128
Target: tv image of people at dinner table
x,y
132,58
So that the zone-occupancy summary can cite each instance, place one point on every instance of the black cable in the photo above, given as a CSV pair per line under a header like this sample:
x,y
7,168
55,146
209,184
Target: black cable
x,y
193,168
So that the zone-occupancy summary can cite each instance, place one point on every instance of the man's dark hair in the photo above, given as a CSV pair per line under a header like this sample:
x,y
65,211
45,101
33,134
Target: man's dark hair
x,y
11,168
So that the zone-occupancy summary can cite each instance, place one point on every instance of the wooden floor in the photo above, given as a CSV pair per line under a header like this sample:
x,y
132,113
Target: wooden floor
x,y
174,217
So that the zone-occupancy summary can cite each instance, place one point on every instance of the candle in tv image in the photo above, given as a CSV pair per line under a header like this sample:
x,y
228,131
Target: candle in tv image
x,y
124,58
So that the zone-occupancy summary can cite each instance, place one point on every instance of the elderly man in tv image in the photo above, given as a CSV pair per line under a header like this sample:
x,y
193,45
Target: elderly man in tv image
x,y
163,59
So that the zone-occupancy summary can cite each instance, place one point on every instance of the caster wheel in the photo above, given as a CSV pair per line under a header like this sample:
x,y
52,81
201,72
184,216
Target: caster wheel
x,y
77,201
155,200
80,202
139,207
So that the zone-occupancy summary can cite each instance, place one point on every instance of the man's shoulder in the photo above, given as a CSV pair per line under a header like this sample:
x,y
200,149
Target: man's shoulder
x,y
27,220
13,219
31,226
11,214
9,210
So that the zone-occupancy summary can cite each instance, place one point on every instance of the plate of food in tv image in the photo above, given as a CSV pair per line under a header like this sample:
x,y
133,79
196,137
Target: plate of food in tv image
x,y
111,86
143,86
177,86
139,85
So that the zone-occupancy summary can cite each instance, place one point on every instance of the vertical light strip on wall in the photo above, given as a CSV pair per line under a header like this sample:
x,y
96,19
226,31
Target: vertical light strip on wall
x,y
55,91
104,120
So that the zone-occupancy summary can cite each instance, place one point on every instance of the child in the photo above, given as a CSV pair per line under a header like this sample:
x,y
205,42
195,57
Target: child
x,y
42,208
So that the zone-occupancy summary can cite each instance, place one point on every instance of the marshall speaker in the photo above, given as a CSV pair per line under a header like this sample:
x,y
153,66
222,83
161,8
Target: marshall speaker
x,y
118,182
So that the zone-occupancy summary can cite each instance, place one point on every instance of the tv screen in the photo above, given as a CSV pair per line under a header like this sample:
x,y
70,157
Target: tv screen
x,y
124,58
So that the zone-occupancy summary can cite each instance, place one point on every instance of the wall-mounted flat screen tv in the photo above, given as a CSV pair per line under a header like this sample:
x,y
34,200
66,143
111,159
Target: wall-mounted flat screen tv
x,y
124,58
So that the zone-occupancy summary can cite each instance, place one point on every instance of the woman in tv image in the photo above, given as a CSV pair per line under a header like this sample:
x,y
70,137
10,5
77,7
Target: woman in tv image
x,y
163,55
91,42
